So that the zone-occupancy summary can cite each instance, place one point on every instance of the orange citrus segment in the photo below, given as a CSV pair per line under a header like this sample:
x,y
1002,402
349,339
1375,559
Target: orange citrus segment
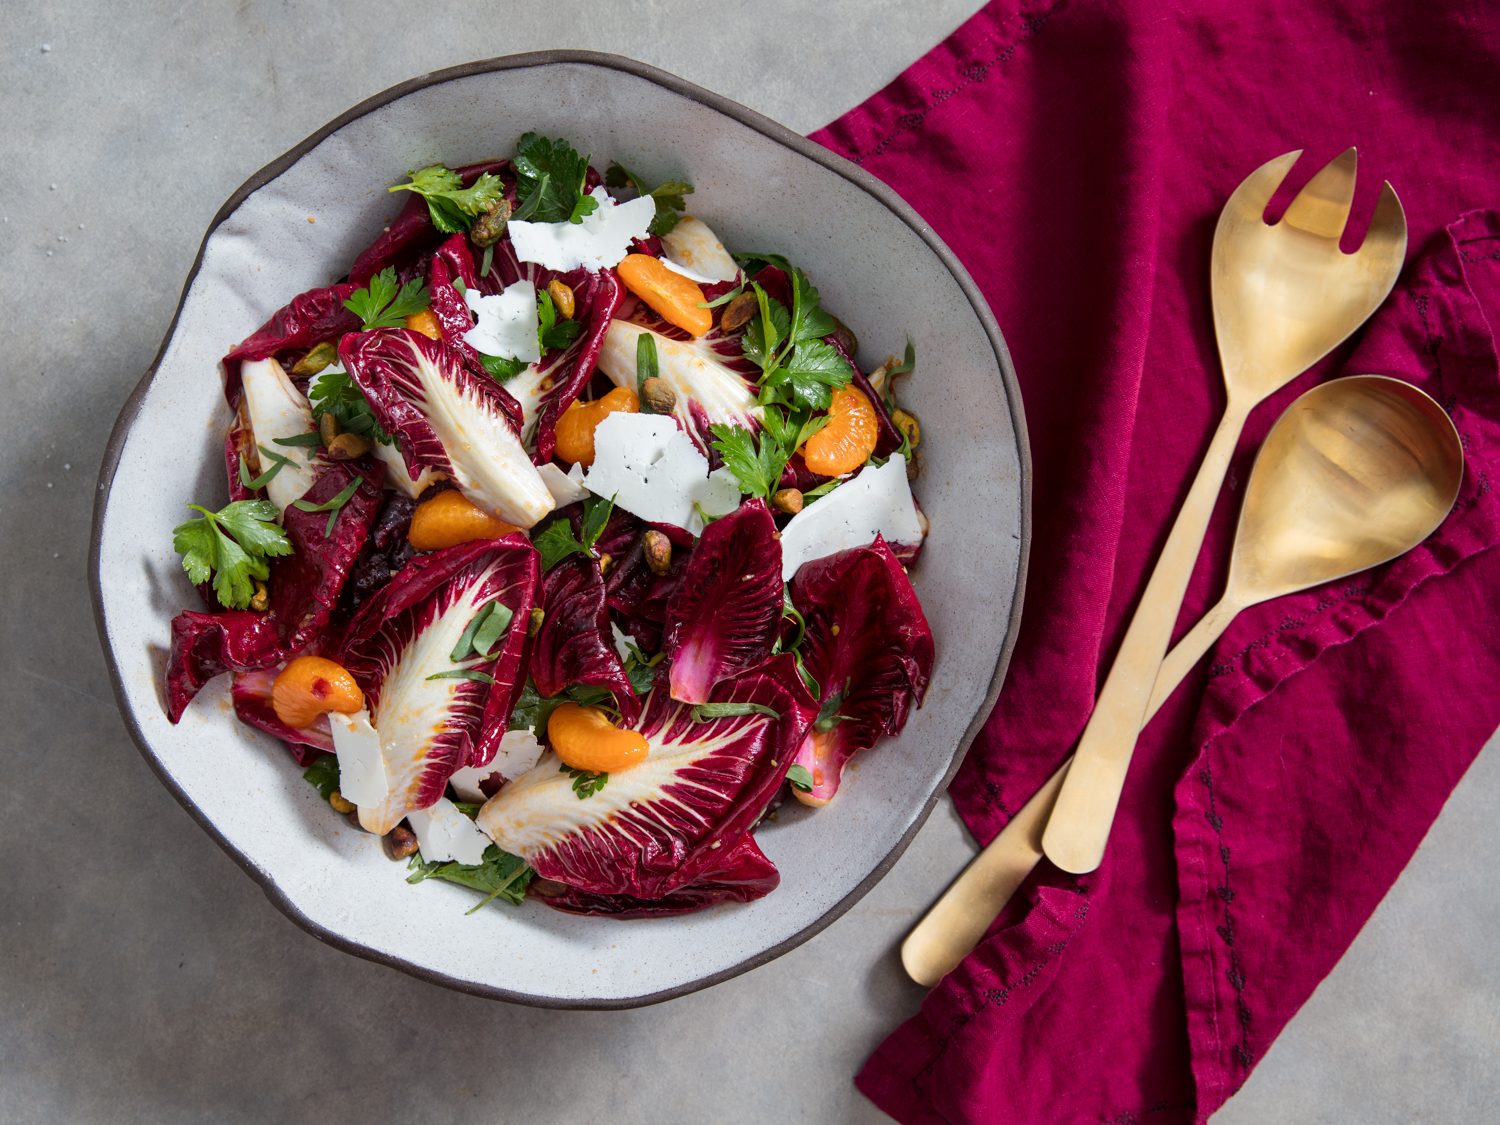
x,y
425,323
675,298
575,427
451,518
311,686
585,739
849,438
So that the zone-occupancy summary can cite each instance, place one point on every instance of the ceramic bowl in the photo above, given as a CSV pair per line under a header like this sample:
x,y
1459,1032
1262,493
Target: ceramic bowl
x,y
297,224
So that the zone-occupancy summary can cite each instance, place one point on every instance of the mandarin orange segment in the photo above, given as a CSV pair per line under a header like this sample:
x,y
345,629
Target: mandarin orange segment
x,y
849,438
311,686
425,323
451,518
677,299
575,426
585,739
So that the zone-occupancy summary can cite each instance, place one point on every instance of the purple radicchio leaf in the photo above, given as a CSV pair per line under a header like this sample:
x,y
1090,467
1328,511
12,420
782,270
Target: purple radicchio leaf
x,y
544,390
710,376
251,692
305,585
448,417
664,824
407,633
306,320
207,644
724,615
410,236
638,596
870,649
742,873
574,645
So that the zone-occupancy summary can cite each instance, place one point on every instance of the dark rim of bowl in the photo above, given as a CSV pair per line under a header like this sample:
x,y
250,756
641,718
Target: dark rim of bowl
x,y
774,131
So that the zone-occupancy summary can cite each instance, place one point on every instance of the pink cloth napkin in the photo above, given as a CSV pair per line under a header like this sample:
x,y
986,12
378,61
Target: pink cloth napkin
x,y
1075,153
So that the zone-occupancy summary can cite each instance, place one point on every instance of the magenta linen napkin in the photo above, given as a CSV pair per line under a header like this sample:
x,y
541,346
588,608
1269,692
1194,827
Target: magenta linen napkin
x,y
1075,155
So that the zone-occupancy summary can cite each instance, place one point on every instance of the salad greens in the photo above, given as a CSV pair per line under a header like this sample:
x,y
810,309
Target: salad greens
x,y
234,546
452,207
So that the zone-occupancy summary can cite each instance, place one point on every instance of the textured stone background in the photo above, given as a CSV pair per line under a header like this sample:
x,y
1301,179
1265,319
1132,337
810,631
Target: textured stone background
x,y
142,977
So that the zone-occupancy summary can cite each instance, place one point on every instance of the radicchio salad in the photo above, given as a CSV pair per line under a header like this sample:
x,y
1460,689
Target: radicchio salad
x,y
561,543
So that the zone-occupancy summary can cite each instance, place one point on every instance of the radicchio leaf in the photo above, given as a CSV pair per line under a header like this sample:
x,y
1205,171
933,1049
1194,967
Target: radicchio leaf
x,y
447,417
574,645
711,378
724,615
251,692
638,596
742,874
406,634
206,644
307,319
870,649
544,390
664,824
306,584
410,235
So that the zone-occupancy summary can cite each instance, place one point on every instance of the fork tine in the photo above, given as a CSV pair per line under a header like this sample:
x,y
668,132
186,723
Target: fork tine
x,y
1322,207
1387,234
1256,189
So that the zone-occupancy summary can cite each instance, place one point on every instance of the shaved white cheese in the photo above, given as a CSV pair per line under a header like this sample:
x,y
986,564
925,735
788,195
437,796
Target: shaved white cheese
x,y
275,409
876,502
361,763
505,323
691,275
396,474
654,471
692,244
600,241
566,488
444,833
519,751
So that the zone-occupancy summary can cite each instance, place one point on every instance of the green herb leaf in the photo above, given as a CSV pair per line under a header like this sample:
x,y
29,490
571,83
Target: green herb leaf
x,y
333,506
646,365
498,875
641,669
278,462
336,393
231,545
585,782
670,197
382,305
464,674
493,627
323,774
549,181
800,778
812,370
596,513
500,368
300,441
553,335
487,260
708,712
555,542
452,206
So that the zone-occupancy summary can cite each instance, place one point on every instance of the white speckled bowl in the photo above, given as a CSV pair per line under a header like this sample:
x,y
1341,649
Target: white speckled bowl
x,y
762,188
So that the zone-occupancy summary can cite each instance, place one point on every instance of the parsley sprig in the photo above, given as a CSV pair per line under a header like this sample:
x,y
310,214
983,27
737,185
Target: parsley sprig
x,y
799,371
452,206
670,197
556,540
552,334
336,393
233,545
585,782
498,875
385,304
550,176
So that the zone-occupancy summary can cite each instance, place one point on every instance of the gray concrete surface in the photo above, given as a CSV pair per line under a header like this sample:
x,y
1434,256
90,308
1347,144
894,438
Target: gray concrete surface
x,y
142,977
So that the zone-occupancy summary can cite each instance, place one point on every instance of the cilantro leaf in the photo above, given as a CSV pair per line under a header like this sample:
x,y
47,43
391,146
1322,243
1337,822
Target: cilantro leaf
x,y
549,181
334,392
670,198
382,304
452,207
232,546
